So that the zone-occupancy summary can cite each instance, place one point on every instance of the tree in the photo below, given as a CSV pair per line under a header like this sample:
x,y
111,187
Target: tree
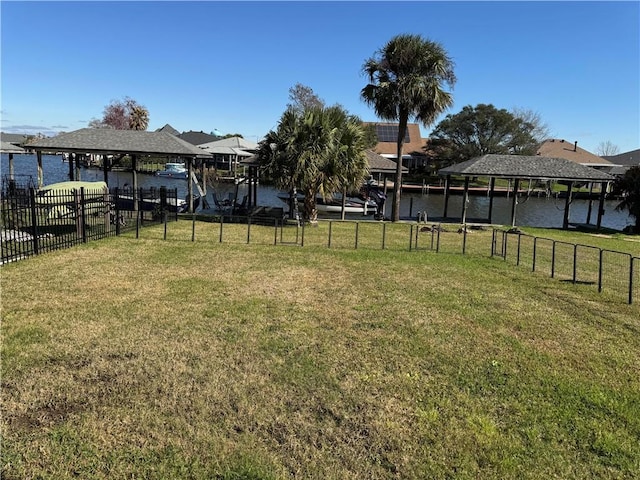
x,y
315,151
303,98
406,79
540,131
482,130
607,148
628,187
124,114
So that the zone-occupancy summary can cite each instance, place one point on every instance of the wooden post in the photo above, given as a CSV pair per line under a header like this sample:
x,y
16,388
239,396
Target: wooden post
x,y
603,191
516,185
77,167
567,205
465,198
447,180
492,187
105,168
590,203
71,160
40,175
11,170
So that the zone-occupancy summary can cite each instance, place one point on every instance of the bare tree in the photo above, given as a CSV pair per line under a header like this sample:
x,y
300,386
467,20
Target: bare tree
x,y
303,98
124,114
607,148
539,129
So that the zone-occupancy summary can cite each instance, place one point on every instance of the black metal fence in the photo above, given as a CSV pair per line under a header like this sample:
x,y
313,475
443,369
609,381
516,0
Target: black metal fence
x,y
35,221
616,272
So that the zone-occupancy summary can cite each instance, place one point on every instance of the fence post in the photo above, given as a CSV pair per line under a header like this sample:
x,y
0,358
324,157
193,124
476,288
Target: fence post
x,y
411,237
193,226
553,259
438,238
117,209
34,220
248,230
384,234
518,251
221,223
275,231
464,238
600,258
164,220
330,225
83,216
533,260
631,262
575,262
357,227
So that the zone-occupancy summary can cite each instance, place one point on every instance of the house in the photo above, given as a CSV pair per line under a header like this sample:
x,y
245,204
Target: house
x,y
13,138
413,151
228,152
197,138
168,129
555,148
623,161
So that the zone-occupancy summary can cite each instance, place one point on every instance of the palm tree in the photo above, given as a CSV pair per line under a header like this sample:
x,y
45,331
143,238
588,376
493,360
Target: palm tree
x,y
628,187
406,79
317,151
138,117
278,154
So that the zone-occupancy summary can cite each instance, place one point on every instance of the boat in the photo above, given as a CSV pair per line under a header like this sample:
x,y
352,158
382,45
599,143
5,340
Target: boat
x,y
334,204
174,170
62,200
124,201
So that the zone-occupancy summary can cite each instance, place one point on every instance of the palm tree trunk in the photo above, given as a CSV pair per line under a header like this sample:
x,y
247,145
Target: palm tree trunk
x,y
397,187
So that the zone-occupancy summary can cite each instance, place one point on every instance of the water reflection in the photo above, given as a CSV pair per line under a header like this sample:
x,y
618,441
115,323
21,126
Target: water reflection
x,y
532,211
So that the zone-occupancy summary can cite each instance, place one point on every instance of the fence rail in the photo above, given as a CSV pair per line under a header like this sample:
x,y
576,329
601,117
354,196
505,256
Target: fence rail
x,y
35,221
609,270
30,228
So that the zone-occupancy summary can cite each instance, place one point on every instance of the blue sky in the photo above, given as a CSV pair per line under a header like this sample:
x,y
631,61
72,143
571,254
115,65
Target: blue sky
x,y
229,65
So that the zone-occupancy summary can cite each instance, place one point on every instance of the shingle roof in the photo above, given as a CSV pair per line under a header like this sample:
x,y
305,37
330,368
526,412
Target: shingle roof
x,y
524,166
169,129
380,164
15,138
561,149
628,158
233,142
6,147
197,138
415,145
105,140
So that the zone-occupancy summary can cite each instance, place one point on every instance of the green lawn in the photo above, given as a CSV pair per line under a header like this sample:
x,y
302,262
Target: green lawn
x,y
146,358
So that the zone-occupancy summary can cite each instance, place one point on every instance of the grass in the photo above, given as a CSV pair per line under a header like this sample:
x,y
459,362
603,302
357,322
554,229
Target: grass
x,y
145,358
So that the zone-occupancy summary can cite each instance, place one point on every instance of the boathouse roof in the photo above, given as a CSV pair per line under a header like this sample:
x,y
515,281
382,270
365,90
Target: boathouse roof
x,y
380,164
7,147
109,141
526,166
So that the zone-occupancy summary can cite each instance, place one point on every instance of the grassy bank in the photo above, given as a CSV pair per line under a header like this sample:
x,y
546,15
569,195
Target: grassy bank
x,y
176,359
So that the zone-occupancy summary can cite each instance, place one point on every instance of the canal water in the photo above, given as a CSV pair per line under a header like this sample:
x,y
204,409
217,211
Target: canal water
x,y
531,211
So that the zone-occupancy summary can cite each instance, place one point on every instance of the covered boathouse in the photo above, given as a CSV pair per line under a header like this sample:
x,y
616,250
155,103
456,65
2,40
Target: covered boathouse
x,y
525,167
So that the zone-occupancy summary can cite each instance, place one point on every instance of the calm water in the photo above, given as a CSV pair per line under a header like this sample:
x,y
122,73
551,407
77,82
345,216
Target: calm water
x,y
534,211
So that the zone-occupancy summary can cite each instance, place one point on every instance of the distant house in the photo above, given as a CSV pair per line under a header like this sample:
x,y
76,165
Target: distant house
x,y
623,161
228,152
554,148
197,138
168,129
413,151
13,138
